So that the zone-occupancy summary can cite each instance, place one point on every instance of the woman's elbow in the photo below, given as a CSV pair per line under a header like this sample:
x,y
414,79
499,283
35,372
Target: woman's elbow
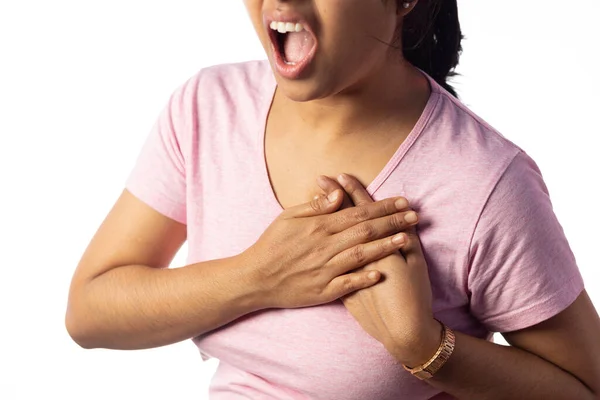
x,y
79,326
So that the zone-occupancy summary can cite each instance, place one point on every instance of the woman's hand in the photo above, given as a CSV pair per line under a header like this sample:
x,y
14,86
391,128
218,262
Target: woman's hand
x,y
397,310
305,257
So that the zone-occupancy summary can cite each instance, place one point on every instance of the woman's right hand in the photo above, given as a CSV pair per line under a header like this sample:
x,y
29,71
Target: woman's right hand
x,y
307,255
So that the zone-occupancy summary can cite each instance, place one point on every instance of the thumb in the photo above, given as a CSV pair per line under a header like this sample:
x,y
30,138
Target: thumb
x,y
319,205
328,185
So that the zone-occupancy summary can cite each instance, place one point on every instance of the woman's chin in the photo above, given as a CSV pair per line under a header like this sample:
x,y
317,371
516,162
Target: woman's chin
x,y
302,91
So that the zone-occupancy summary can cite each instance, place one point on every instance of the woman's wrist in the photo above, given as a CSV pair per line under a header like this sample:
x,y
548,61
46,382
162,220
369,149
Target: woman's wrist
x,y
423,345
251,283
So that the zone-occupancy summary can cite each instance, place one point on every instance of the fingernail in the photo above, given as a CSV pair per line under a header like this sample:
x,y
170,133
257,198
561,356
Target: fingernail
x,y
322,182
398,239
411,217
333,196
372,275
343,179
401,204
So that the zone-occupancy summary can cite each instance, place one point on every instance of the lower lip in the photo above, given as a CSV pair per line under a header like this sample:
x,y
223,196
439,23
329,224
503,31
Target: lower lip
x,y
292,71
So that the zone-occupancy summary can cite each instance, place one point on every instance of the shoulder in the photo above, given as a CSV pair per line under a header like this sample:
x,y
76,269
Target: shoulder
x,y
472,132
462,145
219,95
244,79
460,154
238,71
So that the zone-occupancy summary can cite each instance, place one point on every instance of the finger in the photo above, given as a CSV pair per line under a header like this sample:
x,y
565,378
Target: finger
x,y
349,283
363,254
346,219
371,231
412,249
319,205
355,189
328,185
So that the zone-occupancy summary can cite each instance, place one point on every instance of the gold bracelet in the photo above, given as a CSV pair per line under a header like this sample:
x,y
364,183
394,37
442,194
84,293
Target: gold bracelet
x,y
427,370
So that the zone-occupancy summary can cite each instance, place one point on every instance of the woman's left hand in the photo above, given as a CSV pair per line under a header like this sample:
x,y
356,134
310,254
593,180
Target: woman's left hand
x,y
397,310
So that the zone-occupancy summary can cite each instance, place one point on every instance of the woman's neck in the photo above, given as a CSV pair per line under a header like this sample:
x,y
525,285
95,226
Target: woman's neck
x,y
395,95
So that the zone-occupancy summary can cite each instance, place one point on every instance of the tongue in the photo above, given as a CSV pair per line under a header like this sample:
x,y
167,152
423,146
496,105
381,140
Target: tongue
x,y
297,46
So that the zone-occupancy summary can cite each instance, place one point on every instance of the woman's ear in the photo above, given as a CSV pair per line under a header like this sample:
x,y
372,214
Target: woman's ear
x,y
404,7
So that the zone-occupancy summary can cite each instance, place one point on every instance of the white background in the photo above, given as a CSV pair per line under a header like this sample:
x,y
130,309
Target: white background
x,y
81,83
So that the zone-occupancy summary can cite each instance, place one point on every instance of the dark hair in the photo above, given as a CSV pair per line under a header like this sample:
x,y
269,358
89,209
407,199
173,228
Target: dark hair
x,y
431,39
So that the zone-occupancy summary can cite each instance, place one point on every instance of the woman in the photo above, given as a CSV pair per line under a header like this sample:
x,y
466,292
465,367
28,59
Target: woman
x,y
278,284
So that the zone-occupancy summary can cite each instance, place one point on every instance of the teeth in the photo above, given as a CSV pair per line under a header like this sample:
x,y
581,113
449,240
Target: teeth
x,y
285,27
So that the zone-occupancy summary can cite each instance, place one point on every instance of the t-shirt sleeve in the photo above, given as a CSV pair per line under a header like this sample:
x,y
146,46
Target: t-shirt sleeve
x,y
522,270
158,177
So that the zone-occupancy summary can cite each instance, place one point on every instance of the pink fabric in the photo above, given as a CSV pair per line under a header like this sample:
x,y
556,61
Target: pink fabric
x,y
497,255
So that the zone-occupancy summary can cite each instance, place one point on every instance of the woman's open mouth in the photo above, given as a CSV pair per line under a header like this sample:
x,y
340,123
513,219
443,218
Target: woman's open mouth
x,y
294,47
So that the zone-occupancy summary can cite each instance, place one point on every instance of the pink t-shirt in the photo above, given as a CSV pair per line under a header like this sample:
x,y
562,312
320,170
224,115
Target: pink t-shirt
x,y
498,258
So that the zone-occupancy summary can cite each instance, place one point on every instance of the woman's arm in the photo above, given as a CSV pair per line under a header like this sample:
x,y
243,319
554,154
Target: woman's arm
x,y
552,360
122,295
556,359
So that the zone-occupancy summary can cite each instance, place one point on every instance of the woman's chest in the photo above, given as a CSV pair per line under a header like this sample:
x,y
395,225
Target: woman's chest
x,y
230,212
232,200
294,162
320,346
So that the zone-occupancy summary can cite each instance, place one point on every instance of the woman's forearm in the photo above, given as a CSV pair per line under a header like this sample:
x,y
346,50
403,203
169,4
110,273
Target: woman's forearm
x,y
136,307
478,369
